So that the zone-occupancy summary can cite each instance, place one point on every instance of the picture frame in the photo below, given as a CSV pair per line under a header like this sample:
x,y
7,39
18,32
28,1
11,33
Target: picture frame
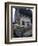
x,y
20,22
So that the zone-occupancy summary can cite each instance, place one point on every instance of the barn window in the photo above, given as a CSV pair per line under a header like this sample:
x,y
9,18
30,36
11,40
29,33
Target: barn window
x,y
27,23
23,23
